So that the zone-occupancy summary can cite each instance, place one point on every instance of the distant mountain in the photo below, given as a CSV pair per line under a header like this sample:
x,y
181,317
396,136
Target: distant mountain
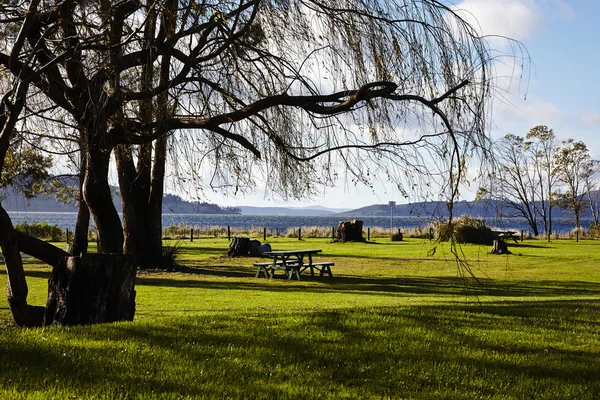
x,y
290,211
477,209
172,204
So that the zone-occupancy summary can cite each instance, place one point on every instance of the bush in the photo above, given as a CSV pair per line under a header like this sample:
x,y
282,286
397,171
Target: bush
x,y
465,230
594,231
41,231
397,237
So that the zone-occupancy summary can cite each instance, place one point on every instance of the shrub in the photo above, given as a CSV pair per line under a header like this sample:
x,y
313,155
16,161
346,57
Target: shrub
x,y
41,231
465,230
397,237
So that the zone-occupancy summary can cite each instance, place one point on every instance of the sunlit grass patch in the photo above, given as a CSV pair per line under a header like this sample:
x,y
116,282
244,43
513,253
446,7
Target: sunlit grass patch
x,y
393,322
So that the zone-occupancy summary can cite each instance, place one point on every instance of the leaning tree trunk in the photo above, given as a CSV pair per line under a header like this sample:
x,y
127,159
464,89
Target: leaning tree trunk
x,y
16,285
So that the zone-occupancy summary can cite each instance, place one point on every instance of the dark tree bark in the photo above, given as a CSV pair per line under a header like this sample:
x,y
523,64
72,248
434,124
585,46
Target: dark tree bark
x,y
97,195
500,247
350,231
79,245
239,247
94,288
16,286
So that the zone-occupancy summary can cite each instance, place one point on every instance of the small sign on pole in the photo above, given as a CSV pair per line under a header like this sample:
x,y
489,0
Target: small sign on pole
x,y
392,205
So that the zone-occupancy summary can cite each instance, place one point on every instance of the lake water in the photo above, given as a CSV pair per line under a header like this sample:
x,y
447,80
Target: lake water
x,y
66,220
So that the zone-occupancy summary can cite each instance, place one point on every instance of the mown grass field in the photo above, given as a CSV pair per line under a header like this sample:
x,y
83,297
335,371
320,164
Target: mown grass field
x,y
394,322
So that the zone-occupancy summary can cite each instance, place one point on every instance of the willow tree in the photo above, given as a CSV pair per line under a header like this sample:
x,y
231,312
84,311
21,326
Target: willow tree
x,y
299,91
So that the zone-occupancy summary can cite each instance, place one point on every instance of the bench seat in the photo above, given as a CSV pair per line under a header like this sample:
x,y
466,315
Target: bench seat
x,y
324,267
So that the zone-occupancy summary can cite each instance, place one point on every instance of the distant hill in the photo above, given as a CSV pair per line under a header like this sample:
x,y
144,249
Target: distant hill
x,y
290,211
476,209
172,204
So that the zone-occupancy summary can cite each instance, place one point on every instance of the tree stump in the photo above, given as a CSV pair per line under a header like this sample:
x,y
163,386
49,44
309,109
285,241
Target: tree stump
x,y
350,231
239,247
91,289
500,247
254,246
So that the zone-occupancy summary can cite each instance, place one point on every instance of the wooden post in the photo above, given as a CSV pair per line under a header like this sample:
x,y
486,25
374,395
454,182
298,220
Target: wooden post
x,y
265,234
191,234
368,233
228,233
299,233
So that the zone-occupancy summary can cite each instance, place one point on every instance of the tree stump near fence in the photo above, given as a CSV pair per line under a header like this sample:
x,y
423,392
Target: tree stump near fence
x,y
500,247
350,231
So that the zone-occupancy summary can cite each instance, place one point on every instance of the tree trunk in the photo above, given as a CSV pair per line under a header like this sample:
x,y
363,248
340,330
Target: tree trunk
x,y
154,232
97,195
500,247
91,289
16,286
134,187
79,245
350,231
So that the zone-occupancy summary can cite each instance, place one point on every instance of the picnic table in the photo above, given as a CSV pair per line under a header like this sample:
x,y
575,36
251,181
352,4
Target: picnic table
x,y
503,235
293,263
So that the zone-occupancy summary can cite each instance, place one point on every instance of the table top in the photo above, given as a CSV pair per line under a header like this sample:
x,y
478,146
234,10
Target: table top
x,y
290,252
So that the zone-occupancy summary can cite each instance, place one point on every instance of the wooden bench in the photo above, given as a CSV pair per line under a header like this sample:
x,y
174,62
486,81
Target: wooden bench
x,y
268,269
323,267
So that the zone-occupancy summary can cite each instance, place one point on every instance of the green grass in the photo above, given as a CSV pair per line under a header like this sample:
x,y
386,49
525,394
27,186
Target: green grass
x,y
392,323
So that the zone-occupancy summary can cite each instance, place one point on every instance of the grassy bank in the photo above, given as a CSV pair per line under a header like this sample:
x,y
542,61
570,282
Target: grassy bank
x,y
395,322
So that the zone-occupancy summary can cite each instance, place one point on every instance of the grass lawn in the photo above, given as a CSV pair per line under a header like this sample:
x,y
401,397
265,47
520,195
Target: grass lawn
x,y
394,322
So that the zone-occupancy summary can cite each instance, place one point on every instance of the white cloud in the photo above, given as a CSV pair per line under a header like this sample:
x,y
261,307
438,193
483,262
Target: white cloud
x,y
518,117
516,19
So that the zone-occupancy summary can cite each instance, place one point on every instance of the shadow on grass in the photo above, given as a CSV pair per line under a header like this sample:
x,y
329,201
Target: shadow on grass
x,y
377,286
418,351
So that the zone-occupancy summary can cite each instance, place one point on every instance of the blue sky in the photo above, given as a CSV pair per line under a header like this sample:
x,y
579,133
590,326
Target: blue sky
x,y
562,38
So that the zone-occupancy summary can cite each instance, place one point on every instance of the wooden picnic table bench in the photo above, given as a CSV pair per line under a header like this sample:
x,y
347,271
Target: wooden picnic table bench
x,y
503,235
293,262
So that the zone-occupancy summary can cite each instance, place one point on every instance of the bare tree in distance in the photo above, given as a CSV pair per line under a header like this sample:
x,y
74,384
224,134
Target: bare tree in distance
x,y
542,144
516,182
574,168
302,91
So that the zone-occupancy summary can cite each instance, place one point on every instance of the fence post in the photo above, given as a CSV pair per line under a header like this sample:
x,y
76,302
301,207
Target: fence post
x,y
368,233
299,233
191,234
265,234
228,233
